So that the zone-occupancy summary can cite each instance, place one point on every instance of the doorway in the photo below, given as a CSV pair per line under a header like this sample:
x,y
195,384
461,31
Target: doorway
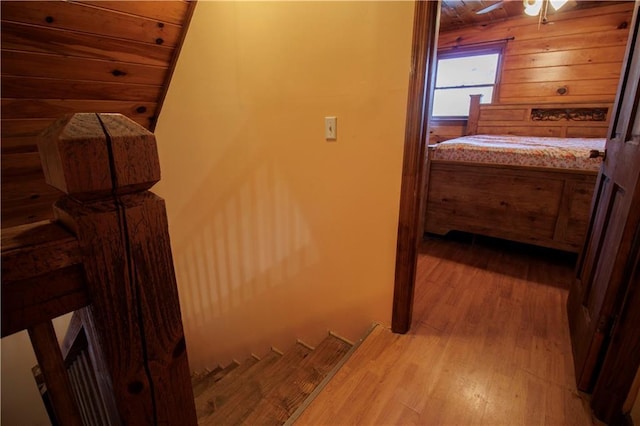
x,y
416,138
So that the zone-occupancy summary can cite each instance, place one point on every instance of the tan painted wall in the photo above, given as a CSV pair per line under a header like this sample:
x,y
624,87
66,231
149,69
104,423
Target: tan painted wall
x,y
278,234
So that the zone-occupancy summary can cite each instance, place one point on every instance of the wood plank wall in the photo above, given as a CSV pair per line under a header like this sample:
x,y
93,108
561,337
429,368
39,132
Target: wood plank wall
x,y
61,57
579,50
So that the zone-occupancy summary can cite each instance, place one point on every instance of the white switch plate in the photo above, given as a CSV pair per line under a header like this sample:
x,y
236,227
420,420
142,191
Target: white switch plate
x,y
330,131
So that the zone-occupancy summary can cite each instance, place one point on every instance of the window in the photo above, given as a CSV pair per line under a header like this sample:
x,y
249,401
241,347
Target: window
x,y
463,73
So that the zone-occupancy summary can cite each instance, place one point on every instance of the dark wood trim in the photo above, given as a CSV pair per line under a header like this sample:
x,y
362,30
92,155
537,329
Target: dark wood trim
x,y
174,62
75,340
423,65
615,382
449,121
622,361
42,275
472,50
29,302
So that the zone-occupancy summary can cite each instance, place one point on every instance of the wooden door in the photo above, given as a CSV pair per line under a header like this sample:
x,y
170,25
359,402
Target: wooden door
x,y
602,273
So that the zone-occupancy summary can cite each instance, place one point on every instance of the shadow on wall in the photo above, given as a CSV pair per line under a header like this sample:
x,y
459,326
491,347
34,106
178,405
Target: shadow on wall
x,y
236,255
277,234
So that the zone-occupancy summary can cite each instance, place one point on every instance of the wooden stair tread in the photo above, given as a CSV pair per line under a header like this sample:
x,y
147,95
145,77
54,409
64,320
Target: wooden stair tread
x,y
206,401
273,390
282,401
204,381
215,395
246,392
374,344
196,378
227,389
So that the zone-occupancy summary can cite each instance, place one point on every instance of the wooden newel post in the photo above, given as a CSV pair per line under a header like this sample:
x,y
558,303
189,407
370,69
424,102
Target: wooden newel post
x,y
105,163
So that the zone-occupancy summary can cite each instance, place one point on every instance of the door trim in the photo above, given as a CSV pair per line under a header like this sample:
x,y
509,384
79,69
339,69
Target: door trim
x,y
426,24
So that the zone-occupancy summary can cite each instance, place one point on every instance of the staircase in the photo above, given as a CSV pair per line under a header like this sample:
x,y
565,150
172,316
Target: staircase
x,y
107,259
267,390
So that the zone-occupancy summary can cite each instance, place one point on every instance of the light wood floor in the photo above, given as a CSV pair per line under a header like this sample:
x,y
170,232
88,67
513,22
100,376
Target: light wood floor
x,y
489,345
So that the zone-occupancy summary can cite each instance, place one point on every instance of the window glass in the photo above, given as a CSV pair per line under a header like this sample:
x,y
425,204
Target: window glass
x,y
455,102
467,71
461,75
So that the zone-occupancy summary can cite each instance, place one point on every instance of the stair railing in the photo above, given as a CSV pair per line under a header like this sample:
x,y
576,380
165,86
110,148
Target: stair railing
x,y
107,258
82,377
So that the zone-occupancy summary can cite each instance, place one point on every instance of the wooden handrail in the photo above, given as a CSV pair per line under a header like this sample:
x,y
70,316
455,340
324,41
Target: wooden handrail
x,y
42,275
108,258
43,278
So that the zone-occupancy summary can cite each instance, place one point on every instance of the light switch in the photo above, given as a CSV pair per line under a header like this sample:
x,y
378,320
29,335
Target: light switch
x,y
330,131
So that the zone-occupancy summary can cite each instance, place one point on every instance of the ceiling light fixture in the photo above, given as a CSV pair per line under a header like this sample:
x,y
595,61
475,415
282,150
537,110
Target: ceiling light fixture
x,y
532,7
535,7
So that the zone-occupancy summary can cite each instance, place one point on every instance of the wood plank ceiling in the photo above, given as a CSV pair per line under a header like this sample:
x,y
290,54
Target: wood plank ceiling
x,y
456,14
61,57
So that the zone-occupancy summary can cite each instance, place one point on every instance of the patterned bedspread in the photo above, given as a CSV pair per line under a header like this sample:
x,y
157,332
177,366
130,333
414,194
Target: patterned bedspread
x,y
563,153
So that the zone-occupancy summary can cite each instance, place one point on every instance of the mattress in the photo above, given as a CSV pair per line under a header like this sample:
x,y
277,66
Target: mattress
x,y
561,153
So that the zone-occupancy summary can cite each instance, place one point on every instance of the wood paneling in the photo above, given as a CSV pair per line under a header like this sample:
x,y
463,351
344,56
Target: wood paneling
x,y
174,12
31,38
562,73
53,108
591,55
579,50
22,128
30,64
457,14
586,40
49,88
80,17
577,91
62,57
596,20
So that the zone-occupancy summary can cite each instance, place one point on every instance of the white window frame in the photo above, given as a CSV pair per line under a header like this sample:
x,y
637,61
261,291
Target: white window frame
x,y
461,52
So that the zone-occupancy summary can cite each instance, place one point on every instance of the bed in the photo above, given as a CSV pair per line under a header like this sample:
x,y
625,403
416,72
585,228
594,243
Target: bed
x,y
522,173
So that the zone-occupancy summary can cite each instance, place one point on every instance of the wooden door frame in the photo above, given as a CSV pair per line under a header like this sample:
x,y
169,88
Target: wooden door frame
x,y
426,22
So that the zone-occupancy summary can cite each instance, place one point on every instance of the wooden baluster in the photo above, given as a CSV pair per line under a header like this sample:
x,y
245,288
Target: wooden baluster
x,y
47,350
74,376
90,377
106,163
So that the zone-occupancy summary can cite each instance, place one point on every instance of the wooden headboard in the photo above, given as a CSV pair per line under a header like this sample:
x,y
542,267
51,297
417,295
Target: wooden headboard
x,y
556,120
